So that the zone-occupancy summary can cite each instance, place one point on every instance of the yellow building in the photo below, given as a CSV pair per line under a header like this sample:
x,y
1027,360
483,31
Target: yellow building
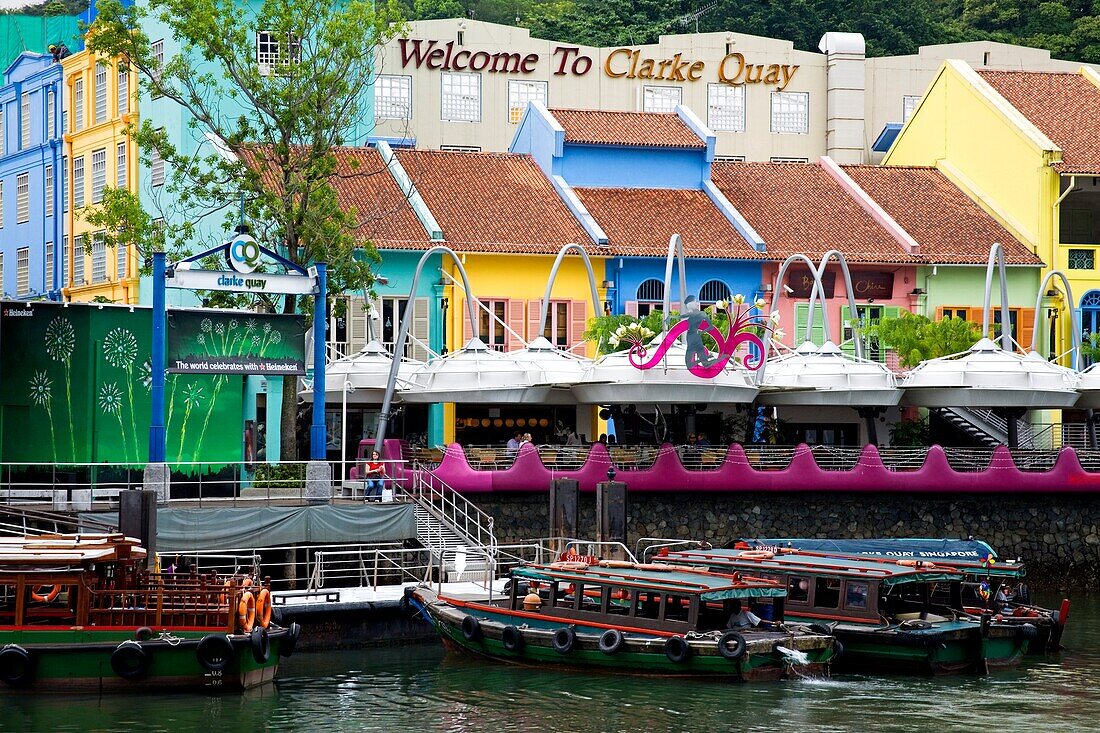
x,y
100,105
1026,147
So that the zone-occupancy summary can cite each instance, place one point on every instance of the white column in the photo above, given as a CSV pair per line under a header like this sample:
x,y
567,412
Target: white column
x,y
846,88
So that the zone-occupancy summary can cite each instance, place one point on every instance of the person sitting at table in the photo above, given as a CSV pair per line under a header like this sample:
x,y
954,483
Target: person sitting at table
x,y
374,476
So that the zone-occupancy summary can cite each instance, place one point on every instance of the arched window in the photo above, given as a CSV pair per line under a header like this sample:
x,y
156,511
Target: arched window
x,y
651,296
1090,319
713,291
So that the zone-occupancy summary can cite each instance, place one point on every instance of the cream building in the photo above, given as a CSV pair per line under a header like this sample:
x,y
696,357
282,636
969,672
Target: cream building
x,y
463,85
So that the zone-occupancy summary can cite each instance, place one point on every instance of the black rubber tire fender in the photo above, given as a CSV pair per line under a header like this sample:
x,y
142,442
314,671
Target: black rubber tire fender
x,y
677,649
731,645
16,665
214,652
564,639
144,633
290,641
838,650
471,629
611,641
820,629
1028,632
512,638
260,642
130,661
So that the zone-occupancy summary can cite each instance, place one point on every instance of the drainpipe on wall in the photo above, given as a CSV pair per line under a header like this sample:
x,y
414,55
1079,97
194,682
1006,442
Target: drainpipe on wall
x,y
1056,236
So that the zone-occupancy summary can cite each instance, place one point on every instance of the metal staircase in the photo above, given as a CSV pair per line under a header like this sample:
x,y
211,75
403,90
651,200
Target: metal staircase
x,y
458,535
987,427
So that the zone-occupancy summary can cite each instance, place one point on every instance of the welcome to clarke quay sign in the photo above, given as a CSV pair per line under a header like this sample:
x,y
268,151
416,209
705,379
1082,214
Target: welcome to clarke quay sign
x,y
626,63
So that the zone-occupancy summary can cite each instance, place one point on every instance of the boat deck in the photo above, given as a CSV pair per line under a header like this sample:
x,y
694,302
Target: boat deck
x,y
383,595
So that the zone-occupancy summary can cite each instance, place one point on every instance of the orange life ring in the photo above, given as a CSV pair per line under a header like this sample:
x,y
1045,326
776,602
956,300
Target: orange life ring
x,y
39,594
246,611
756,555
263,607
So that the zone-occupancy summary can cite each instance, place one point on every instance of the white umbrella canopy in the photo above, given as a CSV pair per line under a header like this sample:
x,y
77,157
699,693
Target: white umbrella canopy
x,y
1089,388
988,377
553,367
367,373
826,376
612,379
474,374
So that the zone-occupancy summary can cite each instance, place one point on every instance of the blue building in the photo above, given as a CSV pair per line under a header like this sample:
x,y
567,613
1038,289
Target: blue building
x,y
634,179
31,179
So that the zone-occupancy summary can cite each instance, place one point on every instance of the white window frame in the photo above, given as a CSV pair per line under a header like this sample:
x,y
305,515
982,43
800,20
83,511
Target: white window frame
x,y
393,97
23,198
121,250
101,92
157,49
78,261
122,91
156,169
78,183
729,159
24,121
269,54
726,107
460,97
788,159
51,113
3,141
47,189
786,117
558,310
99,174
661,99
23,271
78,104
1,204
99,258
122,172
460,148
522,91
909,104
47,266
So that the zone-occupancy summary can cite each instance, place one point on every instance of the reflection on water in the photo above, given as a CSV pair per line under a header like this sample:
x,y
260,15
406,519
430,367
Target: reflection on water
x,y
420,688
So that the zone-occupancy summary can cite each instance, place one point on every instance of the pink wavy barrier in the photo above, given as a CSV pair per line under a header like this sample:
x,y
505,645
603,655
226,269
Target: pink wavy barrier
x,y
727,346
736,474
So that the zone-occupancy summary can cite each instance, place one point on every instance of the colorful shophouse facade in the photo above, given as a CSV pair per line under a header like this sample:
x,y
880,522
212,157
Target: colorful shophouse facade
x,y
32,224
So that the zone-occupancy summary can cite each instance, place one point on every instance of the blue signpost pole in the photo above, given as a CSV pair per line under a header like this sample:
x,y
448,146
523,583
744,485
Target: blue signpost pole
x,y
157,438
317,437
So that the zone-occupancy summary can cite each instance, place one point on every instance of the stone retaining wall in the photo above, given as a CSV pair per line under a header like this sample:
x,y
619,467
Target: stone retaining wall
x,y
1057,535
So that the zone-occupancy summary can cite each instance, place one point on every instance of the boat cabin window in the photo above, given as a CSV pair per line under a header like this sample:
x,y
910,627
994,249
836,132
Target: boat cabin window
x,y
827,592
798,589
855,595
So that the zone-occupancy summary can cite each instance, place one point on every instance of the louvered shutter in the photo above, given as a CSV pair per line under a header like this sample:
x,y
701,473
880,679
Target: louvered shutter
x,y
801,316
632,308
420,327
467,333
578,321
534,308
515,311
1026,327
357,324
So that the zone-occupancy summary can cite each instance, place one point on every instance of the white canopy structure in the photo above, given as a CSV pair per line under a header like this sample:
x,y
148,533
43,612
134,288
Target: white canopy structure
x,y
612,379
826,376
1089,388
989,377
365,375
475,374
552,367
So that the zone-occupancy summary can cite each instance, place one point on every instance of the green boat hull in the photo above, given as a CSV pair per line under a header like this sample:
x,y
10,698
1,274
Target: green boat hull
x,y
80,660
639,654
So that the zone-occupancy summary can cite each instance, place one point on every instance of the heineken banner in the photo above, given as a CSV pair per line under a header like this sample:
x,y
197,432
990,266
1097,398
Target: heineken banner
x,y
74,387
207,342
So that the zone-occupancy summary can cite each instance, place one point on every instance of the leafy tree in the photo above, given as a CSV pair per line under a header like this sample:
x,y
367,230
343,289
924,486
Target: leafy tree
x,y
918,338
272,132
428,9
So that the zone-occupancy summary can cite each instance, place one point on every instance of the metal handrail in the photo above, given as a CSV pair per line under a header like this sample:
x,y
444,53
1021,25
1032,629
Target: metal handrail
x,y
451,508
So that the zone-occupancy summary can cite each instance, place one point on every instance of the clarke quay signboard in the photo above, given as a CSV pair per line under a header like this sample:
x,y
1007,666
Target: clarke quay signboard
x,y
213,342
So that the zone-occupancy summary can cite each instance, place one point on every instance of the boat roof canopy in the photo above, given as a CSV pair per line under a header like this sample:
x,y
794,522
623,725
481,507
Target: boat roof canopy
x,y
18,553
708,586
968,554
890,573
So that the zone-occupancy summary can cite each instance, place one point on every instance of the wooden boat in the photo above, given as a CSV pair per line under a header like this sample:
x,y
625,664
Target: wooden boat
x,y
82,613
985,573
624,617
900,616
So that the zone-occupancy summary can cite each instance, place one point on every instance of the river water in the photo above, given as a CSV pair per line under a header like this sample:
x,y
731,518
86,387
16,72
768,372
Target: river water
x,y
421,688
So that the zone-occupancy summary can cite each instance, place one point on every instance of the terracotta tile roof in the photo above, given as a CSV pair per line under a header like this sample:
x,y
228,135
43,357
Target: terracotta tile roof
x,y
949,227
1064,106
492,202
363,184
592,127
798,207
640,221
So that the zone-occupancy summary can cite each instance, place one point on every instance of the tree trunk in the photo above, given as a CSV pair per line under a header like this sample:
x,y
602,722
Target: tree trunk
x,y
289,438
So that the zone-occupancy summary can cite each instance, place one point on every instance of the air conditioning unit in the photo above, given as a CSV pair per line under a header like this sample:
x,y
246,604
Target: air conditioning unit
x,y
766,287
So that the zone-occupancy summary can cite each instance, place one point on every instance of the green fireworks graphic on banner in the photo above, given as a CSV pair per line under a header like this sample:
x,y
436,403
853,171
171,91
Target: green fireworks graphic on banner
x,y
201,342
75,386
